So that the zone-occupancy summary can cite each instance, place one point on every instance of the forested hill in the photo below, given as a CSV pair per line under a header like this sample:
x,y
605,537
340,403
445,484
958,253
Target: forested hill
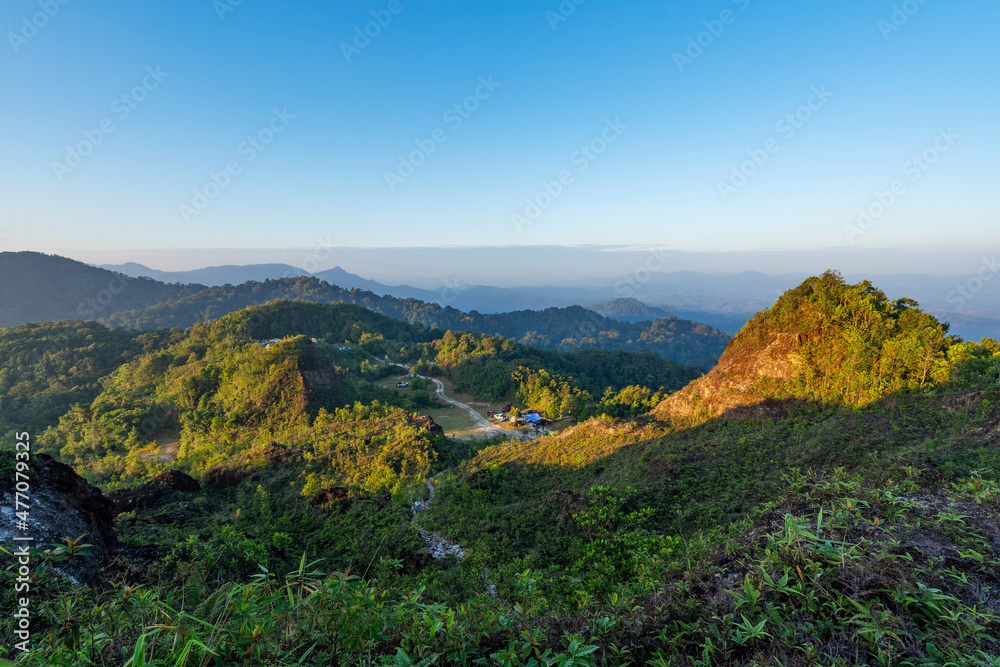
x,y
628,310
826,341
111,395
38,288
46,288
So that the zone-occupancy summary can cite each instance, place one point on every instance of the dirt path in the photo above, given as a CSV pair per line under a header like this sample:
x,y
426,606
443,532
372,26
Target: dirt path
x,y
480,420
483,426
440,546
167,453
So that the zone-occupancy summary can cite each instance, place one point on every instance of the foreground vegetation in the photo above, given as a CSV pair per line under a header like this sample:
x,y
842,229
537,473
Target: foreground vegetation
x,y
814,525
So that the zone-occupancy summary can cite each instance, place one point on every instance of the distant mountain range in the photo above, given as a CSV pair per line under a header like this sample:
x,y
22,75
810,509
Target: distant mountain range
x,y
217,276
37,288
723,301
633,311
210,276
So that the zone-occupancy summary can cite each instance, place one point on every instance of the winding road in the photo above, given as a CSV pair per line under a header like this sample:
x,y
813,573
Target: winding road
x,y
483,425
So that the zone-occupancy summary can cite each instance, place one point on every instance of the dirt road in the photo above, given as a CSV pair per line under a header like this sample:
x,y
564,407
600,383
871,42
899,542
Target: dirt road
x,y
484,428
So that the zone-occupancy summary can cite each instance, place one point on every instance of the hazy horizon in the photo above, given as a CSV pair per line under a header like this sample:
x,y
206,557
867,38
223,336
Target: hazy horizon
x,y
518,266
729,126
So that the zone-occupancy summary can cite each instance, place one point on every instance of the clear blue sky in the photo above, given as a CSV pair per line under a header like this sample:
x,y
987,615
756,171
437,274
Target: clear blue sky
x,y
324,175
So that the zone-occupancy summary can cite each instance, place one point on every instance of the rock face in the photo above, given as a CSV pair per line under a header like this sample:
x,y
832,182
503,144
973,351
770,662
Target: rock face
x,y
150,494
63,504
738,378
427,422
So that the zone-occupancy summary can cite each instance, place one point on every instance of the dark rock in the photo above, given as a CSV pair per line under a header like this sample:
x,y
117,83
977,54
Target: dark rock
x,y
150,494
63,504
415,561
178,481
427,422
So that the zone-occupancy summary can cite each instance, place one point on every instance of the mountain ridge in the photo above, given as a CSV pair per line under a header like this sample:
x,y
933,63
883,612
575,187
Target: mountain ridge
x,y
90,293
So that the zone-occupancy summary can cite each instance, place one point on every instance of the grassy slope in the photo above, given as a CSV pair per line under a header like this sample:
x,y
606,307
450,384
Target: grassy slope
x,y
713,473
885,552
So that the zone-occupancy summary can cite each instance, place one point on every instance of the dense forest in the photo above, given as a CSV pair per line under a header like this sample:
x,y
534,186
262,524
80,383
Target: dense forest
x,y
48,367
829,496
109,402
567,383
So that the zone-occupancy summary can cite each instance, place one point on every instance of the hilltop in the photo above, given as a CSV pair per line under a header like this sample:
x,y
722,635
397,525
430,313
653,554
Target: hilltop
x,y
826,341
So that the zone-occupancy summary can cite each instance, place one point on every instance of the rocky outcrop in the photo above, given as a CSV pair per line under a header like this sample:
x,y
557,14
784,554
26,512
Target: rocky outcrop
x,y
319,380
151,494
226,478
738,378
63,505
427,422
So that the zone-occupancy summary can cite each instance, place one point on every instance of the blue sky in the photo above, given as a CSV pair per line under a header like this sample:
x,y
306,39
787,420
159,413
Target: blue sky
x,y
679,130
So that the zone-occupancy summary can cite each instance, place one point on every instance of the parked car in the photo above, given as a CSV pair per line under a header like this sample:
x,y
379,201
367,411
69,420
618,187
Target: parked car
x,y
402,384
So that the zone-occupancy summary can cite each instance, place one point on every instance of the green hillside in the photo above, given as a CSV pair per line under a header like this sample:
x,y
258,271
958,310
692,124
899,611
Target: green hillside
x,y
42,288
791,507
